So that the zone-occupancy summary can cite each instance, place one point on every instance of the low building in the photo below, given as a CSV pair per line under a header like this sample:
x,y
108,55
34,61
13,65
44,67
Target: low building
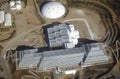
x,y
8,19
2,15
66,60
16,5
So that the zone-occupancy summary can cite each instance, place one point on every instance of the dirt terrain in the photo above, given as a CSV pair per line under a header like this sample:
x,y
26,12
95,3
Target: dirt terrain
x,y
29,32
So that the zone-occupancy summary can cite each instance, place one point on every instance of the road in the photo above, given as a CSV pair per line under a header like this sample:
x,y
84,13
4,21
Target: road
x,y
88,27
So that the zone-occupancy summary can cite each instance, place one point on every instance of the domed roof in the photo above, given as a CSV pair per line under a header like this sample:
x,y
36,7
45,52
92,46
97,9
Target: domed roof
x,y
53,10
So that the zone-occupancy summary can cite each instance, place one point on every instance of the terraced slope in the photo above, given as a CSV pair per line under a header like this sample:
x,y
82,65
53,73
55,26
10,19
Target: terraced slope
x,y
105,14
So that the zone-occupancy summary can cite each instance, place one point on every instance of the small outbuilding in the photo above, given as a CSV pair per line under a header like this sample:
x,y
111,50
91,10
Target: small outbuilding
x,y
2,14
8,19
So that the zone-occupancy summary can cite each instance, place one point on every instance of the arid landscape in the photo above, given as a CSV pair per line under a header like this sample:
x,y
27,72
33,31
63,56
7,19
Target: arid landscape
x,y
96,20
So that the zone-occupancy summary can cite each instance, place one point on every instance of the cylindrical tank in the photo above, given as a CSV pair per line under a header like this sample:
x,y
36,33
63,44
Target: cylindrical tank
x,y
12,5
2,15
18,5
8,19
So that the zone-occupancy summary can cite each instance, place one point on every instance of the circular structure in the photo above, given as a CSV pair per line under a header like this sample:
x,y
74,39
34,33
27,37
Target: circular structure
x,y
53,10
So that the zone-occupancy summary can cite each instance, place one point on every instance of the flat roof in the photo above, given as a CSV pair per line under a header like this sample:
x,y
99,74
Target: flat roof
x,y
62,58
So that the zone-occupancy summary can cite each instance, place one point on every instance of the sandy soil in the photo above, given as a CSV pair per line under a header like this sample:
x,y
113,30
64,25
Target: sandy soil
x,y
25,25
29,29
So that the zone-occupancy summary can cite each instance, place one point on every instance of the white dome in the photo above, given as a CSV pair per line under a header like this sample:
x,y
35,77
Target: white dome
x,y
53,10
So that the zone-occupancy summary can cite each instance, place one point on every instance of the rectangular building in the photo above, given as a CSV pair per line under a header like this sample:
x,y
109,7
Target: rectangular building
x,y
64,59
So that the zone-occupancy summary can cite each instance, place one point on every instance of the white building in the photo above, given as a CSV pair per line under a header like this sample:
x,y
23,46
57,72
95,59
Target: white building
x,y
8,19
53,10
12,5
16,5
2,15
